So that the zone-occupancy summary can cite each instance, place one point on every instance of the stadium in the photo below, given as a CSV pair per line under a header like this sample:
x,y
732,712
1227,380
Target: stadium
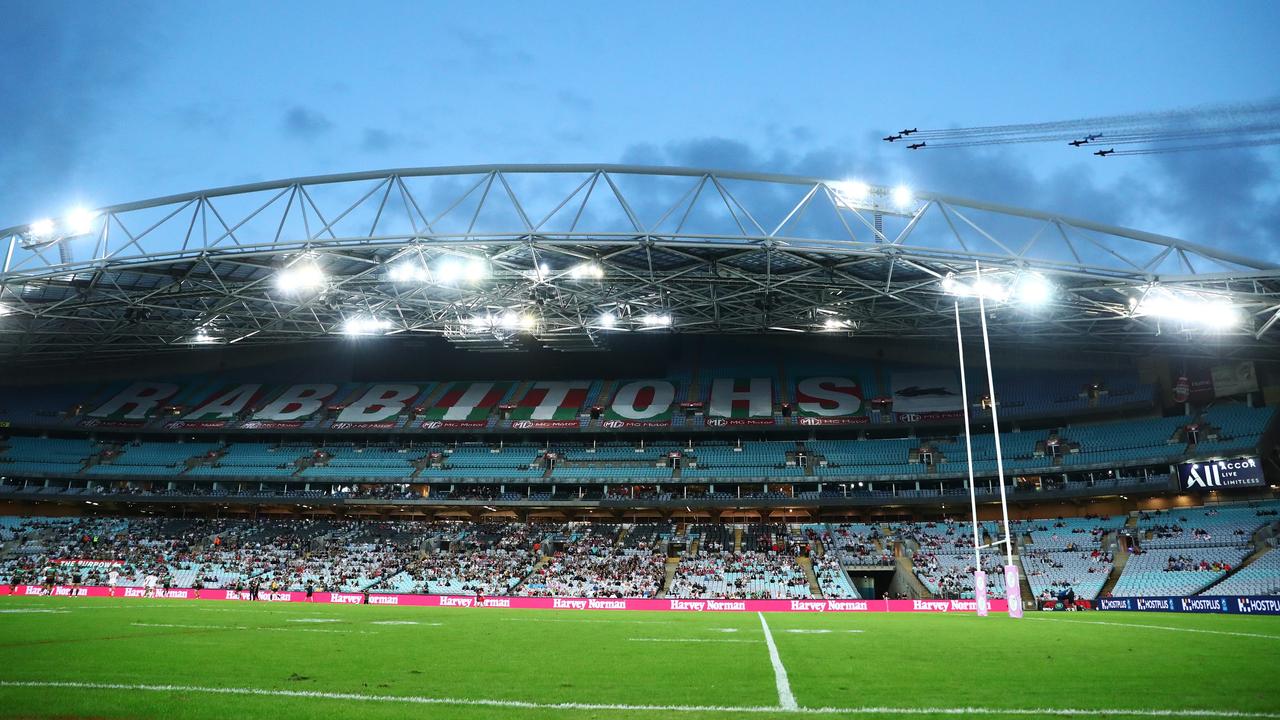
x,y
622,441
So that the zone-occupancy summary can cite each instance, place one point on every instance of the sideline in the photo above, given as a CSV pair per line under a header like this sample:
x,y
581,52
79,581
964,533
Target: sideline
x,y
525,705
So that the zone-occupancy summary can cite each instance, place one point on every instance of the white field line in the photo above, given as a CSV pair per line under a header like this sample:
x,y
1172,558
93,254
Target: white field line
x,y
245,627
587,620
1157,627
786,700
692,640
525,705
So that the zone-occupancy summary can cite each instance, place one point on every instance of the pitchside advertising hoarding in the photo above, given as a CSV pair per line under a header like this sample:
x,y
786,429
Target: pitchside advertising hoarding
x,y
1221,473
1230,604
531,603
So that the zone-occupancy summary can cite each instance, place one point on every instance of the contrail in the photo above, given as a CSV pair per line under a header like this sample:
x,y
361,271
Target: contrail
x,y
1233,125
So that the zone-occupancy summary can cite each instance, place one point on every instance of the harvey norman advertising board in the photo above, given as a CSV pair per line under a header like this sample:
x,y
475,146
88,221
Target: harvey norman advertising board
x,y
1221,473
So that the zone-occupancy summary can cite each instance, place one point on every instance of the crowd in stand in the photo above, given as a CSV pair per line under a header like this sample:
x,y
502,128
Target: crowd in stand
x,y
591,565
1186,563
747,575
581,559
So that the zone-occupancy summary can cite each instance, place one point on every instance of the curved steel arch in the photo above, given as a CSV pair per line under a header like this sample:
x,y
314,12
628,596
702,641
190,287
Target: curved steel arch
x,y
718,251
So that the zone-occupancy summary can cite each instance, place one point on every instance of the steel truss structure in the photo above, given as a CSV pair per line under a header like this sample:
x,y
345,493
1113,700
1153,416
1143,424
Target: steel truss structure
x,y
494,257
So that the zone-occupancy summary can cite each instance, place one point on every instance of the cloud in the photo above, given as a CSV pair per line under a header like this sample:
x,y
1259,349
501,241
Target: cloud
x,y
490,51
1223,199
68,89
305,123
376,140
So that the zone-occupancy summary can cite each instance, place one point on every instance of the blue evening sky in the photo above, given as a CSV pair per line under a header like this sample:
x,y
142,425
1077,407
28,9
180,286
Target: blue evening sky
x,y
109,102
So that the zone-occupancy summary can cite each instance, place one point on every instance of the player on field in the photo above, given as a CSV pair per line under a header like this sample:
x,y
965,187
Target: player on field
x,y
149,585
113,578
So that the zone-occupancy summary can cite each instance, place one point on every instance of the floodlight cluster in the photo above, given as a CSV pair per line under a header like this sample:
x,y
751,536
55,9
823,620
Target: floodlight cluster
x,y
77,221
586,271
302,277
1206,311
511,320
903,197
202,336
656,320
365,325
448,271
851,191
409,271
1029,289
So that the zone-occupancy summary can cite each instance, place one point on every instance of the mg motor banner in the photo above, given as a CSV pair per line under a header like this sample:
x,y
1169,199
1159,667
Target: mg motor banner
x,y
1219,474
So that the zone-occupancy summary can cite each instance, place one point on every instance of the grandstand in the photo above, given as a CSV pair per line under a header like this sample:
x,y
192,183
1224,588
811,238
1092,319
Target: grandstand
x,y
528,416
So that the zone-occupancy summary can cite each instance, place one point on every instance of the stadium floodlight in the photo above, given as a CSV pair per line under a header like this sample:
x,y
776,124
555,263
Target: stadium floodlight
x,y
903,197
4,310
586,271
409,271
989,289
656,320
448,271
952,286
833,324
475,271
851,191
1191,309
984,288
202,337
42,228
1033,289
365,326
79,221
607,320
300,278
513,320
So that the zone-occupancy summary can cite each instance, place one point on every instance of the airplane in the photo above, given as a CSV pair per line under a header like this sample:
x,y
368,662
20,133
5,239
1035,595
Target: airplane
x,y
908,132
1078,143
917,146
1091,138
891,138
917,391
1104,153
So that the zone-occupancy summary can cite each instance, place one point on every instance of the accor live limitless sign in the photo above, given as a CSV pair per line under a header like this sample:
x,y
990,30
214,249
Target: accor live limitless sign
x,y
1225,473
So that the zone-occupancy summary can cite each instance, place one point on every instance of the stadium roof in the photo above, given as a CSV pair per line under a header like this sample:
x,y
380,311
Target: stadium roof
x,y
493,257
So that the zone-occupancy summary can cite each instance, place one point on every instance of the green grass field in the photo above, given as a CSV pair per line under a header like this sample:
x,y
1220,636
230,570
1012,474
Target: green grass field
x,y
217,660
